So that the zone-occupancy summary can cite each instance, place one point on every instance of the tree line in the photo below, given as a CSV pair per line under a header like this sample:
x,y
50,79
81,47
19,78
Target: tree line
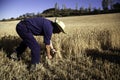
x,y
109,6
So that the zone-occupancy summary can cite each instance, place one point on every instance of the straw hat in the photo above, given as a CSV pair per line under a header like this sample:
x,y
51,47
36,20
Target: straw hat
x,y
60,24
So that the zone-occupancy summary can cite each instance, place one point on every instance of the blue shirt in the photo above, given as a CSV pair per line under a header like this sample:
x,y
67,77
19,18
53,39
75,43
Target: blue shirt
x,y
40,26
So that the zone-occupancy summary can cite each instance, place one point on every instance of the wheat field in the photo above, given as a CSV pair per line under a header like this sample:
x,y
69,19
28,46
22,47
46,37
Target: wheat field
x,y
90,50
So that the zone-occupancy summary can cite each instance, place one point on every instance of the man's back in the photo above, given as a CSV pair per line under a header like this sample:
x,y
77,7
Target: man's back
x,y
38,25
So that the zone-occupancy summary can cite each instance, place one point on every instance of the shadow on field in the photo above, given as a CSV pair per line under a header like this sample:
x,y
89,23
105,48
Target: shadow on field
x,y
104,38
104,55
9,43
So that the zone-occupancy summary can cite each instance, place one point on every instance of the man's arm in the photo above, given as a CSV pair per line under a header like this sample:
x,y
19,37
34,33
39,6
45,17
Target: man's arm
x,y
48,51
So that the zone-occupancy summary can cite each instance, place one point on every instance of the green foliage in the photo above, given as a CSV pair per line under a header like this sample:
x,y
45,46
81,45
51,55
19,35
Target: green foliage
x,y
116,6
105,4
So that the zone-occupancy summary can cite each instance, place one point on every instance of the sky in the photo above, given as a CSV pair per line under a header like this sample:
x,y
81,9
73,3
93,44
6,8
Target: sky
x,y
15,8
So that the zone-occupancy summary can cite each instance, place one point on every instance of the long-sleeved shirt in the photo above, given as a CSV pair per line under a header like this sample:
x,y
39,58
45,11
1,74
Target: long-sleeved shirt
x,y
40,26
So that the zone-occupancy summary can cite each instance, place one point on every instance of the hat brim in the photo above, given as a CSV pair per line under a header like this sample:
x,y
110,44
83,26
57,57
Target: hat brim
x,y
60,28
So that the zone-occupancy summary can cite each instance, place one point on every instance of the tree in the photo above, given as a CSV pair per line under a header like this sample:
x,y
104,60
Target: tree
x,y
56,9
81,10
12,18
64,7
3,19
89,8
105,4
76,7
116,7
56,6
111,4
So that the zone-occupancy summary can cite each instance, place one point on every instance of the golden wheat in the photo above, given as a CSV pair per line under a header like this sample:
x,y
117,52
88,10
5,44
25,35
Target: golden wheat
x,y
89,50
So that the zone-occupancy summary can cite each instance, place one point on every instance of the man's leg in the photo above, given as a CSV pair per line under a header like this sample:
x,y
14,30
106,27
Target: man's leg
x,y
29,41
35,51
21,48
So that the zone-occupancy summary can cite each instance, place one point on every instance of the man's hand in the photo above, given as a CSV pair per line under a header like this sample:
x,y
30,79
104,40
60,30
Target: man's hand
x,y
52,49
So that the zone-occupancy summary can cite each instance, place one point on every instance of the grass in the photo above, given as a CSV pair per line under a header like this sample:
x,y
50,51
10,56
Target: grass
x,y
90,50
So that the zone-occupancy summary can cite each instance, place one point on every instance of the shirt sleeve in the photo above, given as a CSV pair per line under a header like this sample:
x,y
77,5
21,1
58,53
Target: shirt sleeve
x,y
48,29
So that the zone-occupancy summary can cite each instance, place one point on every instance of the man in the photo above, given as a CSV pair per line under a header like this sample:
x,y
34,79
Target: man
x,y
27,28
